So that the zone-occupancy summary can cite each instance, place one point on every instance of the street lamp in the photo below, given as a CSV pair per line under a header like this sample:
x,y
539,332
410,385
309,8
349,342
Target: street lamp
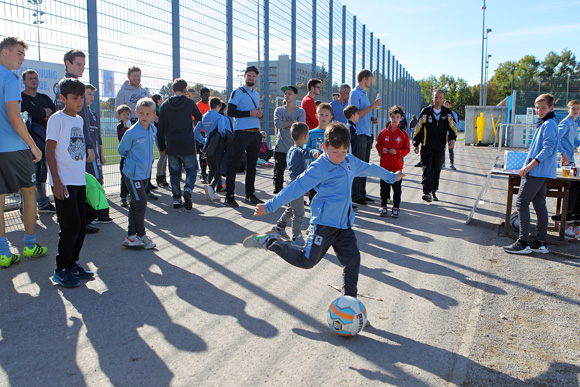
x,y
486,66
37,14
482,57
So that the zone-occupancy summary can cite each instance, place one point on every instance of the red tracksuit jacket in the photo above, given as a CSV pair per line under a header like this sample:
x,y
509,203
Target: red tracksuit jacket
x,y
399,141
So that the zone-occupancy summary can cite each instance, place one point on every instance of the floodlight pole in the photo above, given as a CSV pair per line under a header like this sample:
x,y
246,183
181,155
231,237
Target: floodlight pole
x,y
482,56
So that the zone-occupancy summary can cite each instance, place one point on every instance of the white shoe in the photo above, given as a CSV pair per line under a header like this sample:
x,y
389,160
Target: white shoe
x,y
215,197
209,193
133,241
147,242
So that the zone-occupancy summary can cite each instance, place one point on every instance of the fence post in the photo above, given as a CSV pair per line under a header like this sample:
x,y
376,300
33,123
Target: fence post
x,y
389,102
371,70
313,39
267,67
330,37
343,79
93,50
364,36
383,92
293,63
230,50
353,51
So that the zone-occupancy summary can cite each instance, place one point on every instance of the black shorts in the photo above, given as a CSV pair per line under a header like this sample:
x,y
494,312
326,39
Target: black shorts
x,y
16,171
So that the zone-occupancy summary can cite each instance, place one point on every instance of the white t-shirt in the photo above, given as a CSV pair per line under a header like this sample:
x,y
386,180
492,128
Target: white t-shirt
x,y
70,150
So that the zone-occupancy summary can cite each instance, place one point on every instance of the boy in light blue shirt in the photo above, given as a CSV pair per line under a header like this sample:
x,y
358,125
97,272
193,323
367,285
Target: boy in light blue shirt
x,y
136,148
540,166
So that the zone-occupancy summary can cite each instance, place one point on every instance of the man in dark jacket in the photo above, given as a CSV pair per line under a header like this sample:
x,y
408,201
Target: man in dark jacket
x,y
435,127
175,139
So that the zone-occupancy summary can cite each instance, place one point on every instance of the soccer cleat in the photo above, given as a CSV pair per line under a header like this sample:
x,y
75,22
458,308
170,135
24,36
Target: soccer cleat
x,y
177,203
102,220
6,261
147,242
298,241
427,197
133,241
187,199
395,213
79,272
280,232
37,251
48,208
384,212
65,278
208,192
435,198
539,247
252,199
259,241
230,202
124,202
151,196
518,247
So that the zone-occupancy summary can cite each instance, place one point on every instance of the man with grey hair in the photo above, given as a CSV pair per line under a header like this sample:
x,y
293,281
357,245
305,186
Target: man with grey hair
x,y
339,104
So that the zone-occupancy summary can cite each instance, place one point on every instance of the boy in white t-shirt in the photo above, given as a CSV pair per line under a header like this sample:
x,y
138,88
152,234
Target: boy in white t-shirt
x,y
65,154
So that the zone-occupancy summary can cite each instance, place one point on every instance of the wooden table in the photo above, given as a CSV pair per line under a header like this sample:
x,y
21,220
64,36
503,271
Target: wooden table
x,y
558,188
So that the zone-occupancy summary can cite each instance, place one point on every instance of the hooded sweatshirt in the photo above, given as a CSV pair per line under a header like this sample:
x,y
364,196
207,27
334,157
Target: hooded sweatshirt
x,y
129,95
175,126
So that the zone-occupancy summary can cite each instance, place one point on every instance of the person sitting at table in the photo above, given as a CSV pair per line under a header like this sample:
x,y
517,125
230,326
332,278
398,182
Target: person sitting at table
x,y
567,130
540,166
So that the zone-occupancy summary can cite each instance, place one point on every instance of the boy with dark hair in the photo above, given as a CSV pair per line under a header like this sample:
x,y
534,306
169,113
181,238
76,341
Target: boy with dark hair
x,y
296,160
125,122
175,139
308,103
137,149
217,128
331,215
393,145
540,166
351,114
65,154
17,172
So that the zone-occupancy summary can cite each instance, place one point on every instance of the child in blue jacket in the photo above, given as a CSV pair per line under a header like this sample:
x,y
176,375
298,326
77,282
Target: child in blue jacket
x,y
331,214
540,166
136,148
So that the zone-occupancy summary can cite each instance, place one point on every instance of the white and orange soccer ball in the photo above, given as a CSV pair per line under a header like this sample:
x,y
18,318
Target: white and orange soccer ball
x,y
346,316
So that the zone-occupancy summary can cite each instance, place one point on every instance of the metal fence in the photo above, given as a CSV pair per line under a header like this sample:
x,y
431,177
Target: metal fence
x,y
211,43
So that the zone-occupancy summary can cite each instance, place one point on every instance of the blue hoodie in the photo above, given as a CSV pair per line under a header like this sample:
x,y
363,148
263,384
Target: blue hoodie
x,y
137,149
210,121
544,149
332,205
567,132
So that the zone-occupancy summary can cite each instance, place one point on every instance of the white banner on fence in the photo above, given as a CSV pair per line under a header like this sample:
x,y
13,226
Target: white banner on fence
x,y
108,84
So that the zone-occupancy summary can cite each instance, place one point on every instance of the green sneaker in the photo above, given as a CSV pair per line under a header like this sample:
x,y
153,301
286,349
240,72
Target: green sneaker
x,y
151,196
259,241
124,202
37,251
7,261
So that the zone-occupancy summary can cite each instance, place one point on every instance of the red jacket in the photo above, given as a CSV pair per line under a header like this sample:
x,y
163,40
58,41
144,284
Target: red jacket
x,y
399,141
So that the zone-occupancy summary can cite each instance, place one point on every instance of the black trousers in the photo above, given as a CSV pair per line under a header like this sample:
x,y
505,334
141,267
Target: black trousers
x,y
343,241
214,177
248,143
279,170
71,215
432,161
124,190
137,206
386,193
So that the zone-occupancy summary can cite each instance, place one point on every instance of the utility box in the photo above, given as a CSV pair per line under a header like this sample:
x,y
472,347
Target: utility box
x,y
472,112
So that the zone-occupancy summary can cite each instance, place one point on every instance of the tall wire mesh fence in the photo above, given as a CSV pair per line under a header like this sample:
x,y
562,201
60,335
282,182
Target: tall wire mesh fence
x,y
171,38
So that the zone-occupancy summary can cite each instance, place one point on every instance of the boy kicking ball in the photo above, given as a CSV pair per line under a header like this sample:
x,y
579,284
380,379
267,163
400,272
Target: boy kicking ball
x,y
331,215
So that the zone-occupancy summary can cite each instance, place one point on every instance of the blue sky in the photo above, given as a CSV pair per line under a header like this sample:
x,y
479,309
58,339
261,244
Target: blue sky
x,y
429,37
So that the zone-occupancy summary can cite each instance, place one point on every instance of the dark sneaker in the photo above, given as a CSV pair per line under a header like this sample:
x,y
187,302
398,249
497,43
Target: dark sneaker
x,y
152,196
427,197
384,212
65,278
443,166
367,199
78,271
280,232
570,218
452,167
102,220
252,199
124,202
419,164
395,213
355,206
48,208
177,203
187,199
360,201
230,202
539,247
259,241
152,186
518,247
434,196
91,229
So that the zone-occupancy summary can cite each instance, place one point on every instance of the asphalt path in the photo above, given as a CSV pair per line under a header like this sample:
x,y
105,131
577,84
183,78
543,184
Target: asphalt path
x,y
202,310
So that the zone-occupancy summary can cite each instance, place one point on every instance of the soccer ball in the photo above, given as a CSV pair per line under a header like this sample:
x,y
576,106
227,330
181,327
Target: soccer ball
x,y
572,232
346,316
515,222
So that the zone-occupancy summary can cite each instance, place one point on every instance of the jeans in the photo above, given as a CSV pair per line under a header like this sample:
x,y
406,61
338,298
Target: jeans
x,y
176,162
